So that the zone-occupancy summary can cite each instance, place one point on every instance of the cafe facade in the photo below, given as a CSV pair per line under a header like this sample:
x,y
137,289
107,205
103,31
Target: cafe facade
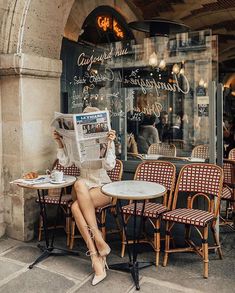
x,y
66,55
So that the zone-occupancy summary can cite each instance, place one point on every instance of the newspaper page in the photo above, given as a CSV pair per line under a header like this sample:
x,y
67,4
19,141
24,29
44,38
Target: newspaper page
x,y
91,134
84,135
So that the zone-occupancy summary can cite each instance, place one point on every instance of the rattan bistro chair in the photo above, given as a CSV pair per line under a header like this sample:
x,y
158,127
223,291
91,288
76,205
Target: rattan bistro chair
x,y
164,149
200,151
53,199
196,180
231,154
115,175
161,172
228,194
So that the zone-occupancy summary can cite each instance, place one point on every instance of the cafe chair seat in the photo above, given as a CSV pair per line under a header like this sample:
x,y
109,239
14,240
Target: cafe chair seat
x,y
54,199
189,216
227,193
151,210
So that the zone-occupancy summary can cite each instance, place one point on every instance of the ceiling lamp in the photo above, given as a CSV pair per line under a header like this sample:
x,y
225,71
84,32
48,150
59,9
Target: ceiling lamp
x,y
153,61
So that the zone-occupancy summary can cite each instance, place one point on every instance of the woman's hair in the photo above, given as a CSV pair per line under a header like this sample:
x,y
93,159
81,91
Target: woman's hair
x,y
89,109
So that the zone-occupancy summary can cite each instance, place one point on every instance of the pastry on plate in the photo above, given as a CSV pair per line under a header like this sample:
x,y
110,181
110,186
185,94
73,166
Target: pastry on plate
x,y
30,175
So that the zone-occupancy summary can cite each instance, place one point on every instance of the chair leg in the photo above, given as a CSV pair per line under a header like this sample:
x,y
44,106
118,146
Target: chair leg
x,y
40,228
68,224
102,222
167,244
123,243
217,242
205,252
72,234
157,241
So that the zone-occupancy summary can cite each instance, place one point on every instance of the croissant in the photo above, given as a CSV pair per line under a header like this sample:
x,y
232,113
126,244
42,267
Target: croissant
x,y
30,175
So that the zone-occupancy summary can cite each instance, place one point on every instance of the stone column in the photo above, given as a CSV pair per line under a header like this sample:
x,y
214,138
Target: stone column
x,y
30,93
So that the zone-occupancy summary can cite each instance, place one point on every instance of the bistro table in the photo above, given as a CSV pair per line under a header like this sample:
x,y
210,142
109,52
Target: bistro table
x,y
133,190
49,249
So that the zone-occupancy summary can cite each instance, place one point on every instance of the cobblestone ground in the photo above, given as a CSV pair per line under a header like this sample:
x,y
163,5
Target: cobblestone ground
x,y
73,274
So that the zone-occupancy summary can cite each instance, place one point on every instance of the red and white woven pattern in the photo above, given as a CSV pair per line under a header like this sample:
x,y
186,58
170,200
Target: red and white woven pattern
x,y
189,216
201,151
151,209
116,173
231,154
156,171
164,149
203,178
226,193
228,169
55,199
71,170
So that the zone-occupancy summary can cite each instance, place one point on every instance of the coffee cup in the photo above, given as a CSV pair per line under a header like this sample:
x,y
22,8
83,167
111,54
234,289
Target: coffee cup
x,y
57,176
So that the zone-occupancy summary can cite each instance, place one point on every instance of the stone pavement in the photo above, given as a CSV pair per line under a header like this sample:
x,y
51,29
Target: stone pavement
x,y
73,274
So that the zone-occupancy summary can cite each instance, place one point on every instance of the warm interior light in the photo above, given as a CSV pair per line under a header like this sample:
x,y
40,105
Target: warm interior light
x,y
182,71
201,82
153,60
175,68
162,64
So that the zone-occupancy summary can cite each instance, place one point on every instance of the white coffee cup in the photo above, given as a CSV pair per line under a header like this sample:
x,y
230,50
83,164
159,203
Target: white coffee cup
x,y
57,176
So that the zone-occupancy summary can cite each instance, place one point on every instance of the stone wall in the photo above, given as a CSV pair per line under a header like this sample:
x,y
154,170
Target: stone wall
x,y
30,43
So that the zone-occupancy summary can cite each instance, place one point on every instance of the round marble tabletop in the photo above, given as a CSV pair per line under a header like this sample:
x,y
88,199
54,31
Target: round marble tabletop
x,y
133,189
68,181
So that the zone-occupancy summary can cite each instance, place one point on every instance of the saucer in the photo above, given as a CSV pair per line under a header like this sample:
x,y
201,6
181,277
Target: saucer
x,y
57,182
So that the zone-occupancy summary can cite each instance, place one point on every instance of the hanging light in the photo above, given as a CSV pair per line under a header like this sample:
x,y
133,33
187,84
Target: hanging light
x,y
201,82
175,68
153,60
162,64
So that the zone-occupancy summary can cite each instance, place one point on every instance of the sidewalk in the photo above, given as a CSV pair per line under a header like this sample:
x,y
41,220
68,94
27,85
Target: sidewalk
x,y
73,274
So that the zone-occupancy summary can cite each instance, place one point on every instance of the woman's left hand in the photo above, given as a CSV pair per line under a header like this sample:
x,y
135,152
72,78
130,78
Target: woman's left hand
x,y
111,136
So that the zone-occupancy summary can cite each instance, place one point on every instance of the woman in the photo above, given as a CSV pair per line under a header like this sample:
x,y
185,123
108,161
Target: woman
x,y
88,196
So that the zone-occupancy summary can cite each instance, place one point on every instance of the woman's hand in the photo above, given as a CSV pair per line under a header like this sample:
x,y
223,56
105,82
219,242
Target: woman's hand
x,y
111,137
58,139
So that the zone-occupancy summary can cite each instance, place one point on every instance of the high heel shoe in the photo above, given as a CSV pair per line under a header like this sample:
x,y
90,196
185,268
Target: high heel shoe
x,y
98,278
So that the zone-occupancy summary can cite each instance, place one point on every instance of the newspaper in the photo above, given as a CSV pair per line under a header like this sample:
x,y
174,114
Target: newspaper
x,y
84,135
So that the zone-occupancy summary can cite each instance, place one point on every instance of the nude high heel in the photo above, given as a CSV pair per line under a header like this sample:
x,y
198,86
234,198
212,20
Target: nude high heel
x,y
98,278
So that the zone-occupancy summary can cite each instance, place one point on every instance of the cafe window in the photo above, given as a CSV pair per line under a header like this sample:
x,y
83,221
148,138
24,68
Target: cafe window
x,y
157,91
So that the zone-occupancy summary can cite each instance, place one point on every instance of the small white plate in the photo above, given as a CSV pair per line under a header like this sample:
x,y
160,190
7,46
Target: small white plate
x,y
57,182
30,179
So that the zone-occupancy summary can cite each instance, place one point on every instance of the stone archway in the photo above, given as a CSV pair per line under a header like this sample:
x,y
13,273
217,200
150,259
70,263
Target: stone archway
x,y
30,69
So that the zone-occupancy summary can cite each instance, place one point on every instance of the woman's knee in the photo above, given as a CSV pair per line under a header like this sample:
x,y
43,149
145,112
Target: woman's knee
x,y
74,207
79,186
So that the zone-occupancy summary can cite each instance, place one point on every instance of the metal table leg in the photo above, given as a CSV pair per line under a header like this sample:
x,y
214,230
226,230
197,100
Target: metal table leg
x,y
133,265
49,249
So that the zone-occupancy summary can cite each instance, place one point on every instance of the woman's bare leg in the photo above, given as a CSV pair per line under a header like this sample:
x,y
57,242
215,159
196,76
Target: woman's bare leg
x,y
88,200
82,226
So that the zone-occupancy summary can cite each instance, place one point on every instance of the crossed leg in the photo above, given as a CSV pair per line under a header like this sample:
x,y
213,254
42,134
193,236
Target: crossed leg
x,y
83,210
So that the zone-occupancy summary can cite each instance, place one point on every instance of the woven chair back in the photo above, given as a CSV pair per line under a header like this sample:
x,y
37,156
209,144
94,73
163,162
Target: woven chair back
x,y
229,172
200,178
231,154
201,151
116,173
161,172
164,149
71,170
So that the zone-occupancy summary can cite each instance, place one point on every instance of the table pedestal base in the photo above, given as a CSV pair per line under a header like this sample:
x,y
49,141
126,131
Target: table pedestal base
x,y
132,268
51,251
